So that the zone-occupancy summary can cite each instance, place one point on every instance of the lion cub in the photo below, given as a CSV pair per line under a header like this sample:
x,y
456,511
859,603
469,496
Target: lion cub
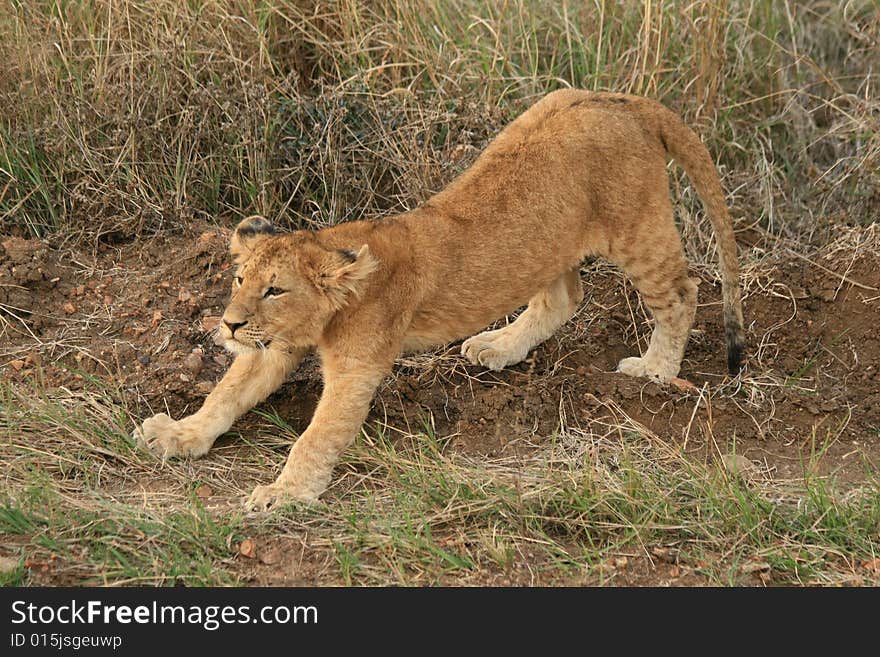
x,y
579,174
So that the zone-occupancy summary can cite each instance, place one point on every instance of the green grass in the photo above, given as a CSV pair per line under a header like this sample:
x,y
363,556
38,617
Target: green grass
x,y
34,188
433,518
117,544
418,513
61,449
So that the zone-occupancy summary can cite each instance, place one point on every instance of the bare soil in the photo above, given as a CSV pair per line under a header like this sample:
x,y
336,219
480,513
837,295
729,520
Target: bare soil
x,y
138,316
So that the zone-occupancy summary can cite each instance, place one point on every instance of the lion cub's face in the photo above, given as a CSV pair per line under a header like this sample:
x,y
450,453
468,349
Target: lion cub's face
x,y
286,287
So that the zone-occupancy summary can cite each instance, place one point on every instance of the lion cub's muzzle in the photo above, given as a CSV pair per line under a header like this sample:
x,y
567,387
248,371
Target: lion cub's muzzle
x,y
246,333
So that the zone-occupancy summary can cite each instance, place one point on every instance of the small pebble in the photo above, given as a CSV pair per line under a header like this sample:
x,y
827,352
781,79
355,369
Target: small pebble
x,y
8,565
193,363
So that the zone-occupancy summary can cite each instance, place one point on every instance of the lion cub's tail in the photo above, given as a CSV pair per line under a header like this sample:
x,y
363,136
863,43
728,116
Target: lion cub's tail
x,y
686,148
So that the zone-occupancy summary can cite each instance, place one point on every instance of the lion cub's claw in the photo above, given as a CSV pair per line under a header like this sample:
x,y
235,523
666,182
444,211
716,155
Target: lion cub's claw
x,y
267,498
490,351
639,367
168,438
632,366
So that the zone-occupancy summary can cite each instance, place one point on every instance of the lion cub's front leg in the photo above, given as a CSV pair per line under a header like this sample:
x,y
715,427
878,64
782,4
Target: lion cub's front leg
x,y
250,379
349,386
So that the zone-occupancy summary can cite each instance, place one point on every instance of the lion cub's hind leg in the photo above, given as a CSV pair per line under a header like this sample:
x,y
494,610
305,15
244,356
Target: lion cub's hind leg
x,y
661,278
547,311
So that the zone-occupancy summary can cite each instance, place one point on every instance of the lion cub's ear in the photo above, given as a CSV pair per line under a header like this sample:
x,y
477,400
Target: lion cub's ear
x,y
249,232
343,272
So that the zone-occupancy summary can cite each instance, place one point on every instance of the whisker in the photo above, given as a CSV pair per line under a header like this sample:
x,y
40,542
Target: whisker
x,y
276,338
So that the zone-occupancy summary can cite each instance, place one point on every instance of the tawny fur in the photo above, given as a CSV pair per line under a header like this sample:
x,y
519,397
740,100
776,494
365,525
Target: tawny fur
x,y
579,174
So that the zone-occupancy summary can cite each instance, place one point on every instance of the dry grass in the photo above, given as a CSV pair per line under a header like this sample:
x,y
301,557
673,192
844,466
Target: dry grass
x,y
124,120
126,117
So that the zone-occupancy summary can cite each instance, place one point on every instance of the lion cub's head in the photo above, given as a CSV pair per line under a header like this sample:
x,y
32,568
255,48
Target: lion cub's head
x,y
286,287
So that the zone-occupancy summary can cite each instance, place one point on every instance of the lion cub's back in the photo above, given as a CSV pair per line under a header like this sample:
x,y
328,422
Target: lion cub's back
x,y
581,110
572,155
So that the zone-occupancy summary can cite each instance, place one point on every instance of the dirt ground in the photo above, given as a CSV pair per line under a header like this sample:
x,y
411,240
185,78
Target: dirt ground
x,y
138,316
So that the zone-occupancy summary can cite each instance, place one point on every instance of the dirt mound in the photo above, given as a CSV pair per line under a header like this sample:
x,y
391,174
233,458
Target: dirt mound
x,y
812,381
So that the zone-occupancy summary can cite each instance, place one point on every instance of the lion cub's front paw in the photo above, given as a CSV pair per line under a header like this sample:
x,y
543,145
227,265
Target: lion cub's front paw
x,y
269,497
167,438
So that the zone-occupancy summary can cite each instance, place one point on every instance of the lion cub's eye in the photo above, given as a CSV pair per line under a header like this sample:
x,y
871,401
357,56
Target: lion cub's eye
x,y
238,280
274,292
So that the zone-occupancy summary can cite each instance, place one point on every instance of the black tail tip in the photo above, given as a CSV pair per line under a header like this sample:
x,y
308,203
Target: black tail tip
x,y
735,356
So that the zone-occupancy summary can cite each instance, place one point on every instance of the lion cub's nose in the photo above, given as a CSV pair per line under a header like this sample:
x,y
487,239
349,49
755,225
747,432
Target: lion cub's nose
x,y
232,326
